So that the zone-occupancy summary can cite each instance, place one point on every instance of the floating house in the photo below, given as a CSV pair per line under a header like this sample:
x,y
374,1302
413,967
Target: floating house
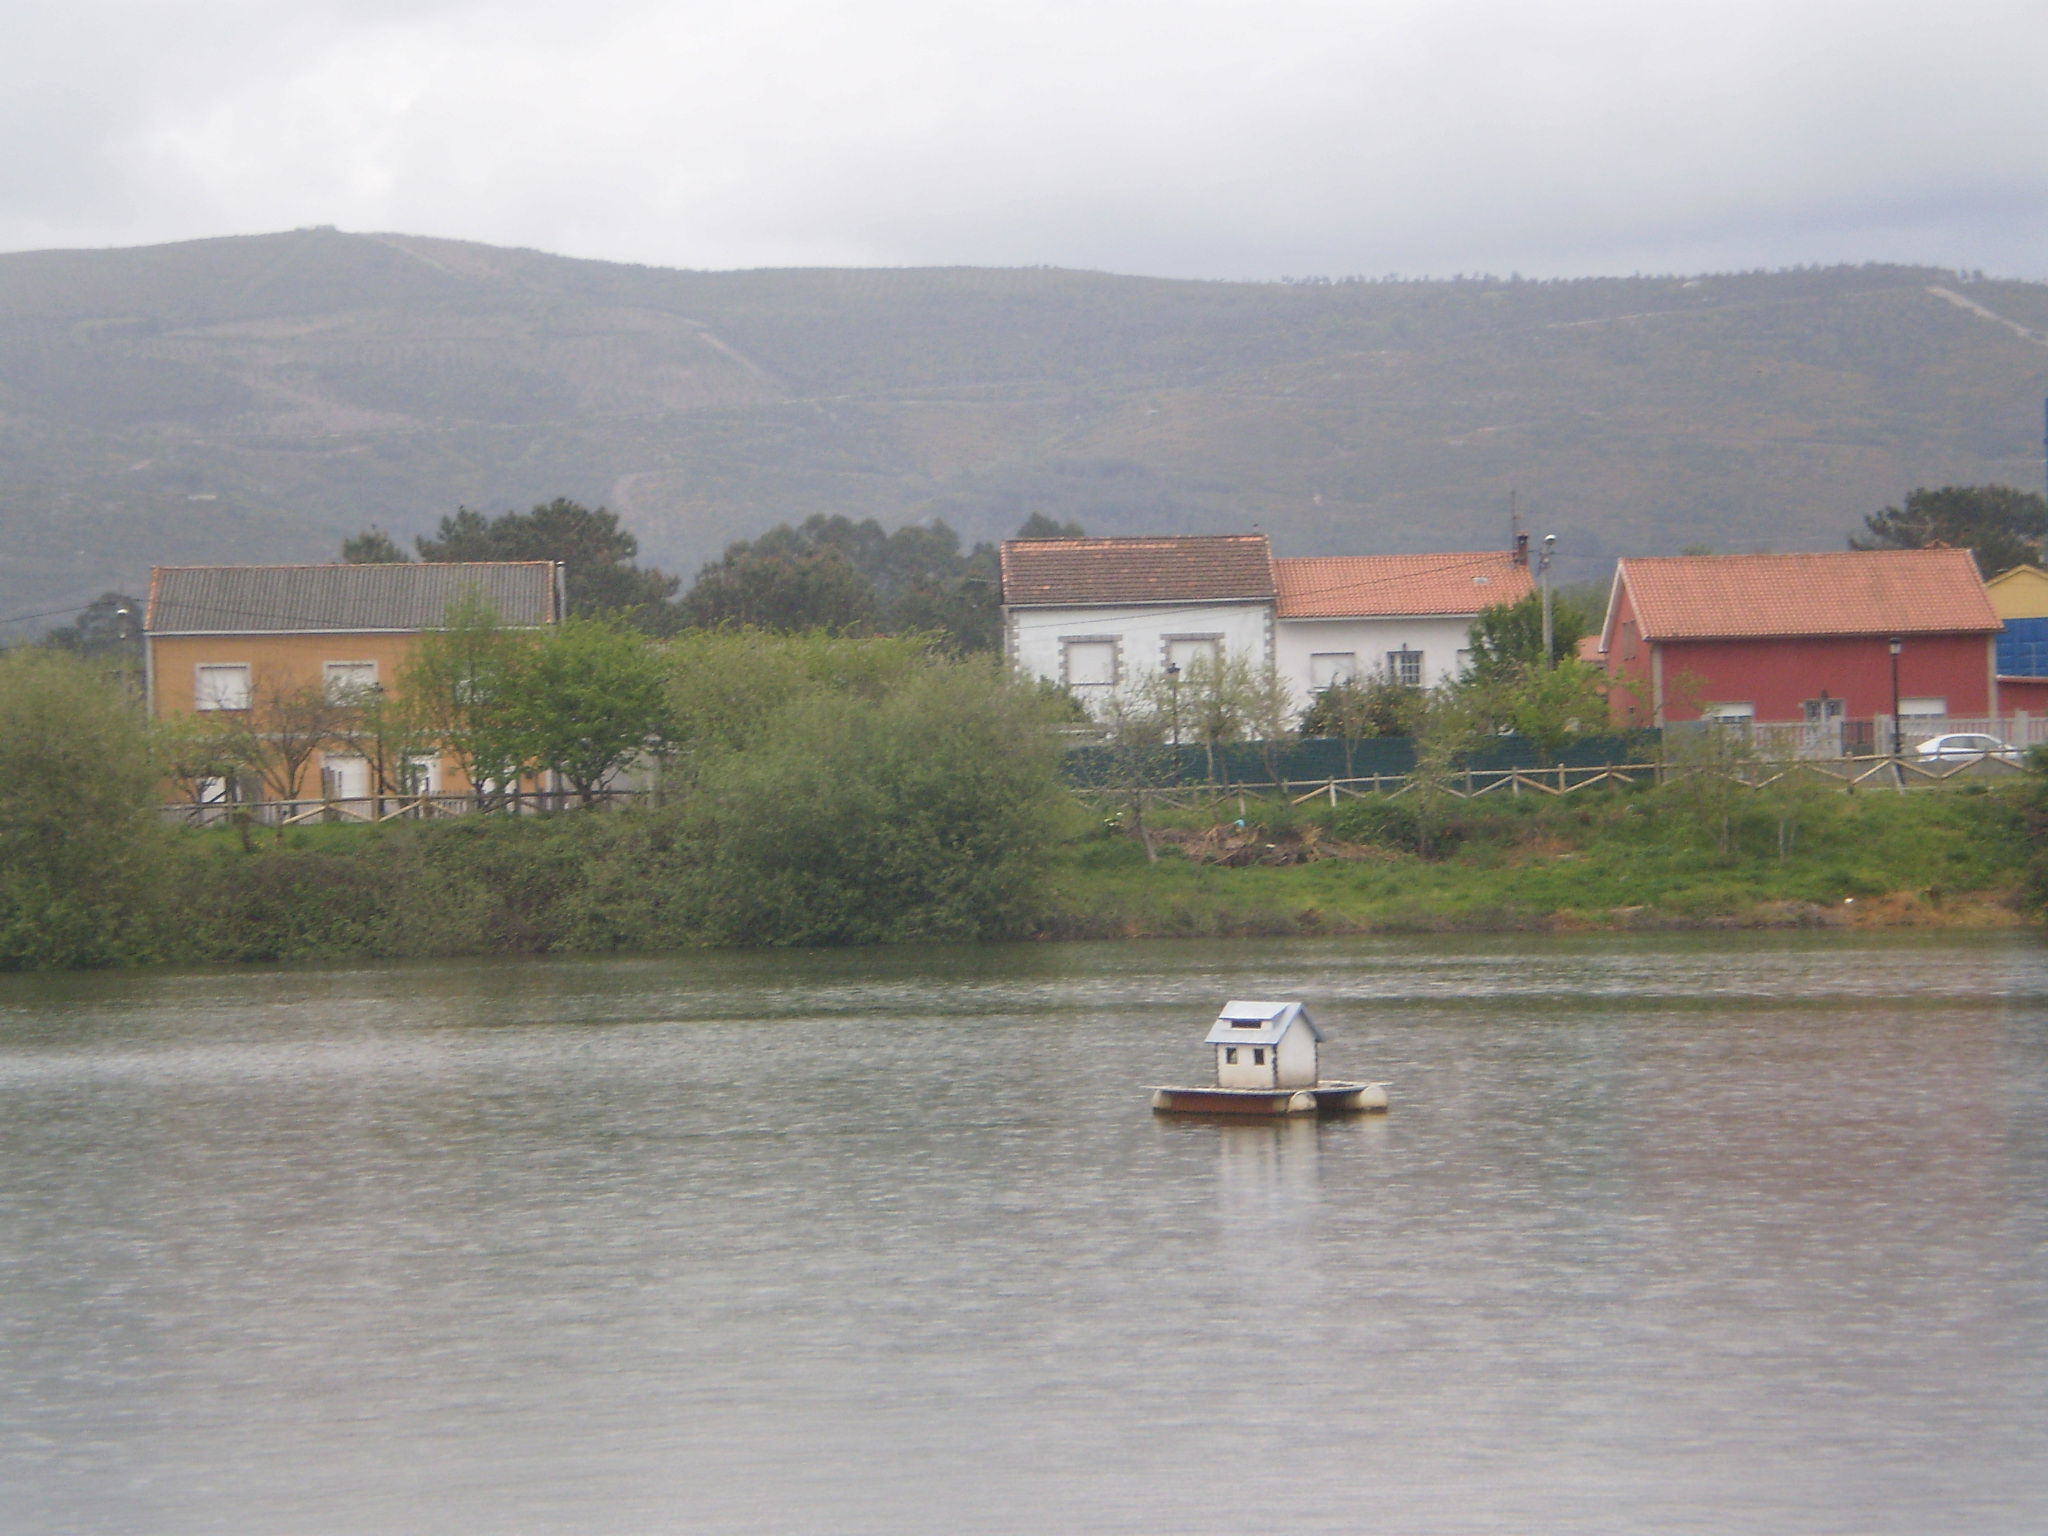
x,y
1268,1062
1266,1045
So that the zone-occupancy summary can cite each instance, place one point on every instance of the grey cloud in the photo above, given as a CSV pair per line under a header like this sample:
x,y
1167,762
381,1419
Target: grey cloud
x,y
1206,138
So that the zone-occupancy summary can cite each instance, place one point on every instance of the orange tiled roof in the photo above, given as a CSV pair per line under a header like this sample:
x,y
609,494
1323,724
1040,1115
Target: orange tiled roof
x,y
1847,592
1222,567
1353,586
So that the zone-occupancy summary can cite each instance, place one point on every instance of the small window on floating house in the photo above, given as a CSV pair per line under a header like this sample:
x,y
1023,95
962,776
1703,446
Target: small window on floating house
x,y
1258,1055
1230,1055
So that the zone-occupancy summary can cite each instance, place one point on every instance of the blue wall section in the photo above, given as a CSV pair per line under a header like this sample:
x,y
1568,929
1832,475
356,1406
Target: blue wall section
x,y
2023,648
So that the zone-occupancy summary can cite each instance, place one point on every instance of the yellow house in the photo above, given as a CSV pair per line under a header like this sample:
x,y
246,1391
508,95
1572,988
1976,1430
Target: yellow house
x,y
2020,593
249,644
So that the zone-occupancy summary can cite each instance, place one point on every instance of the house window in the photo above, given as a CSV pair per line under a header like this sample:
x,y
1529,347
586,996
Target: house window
x,y
1189,652
344,776
1332,669
1729,714
1258,1055
1088,663
221,685
349,681
1922,708
1405,666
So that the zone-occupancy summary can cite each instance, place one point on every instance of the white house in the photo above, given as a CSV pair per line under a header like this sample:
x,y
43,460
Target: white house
x,y
1405,617
1099,616
1265,1045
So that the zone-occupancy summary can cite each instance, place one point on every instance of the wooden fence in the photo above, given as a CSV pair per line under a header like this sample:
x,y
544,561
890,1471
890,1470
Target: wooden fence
x,y
1906,772
1883,771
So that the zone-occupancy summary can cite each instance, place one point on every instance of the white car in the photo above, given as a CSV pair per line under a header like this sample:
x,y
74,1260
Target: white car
x,y
1967,744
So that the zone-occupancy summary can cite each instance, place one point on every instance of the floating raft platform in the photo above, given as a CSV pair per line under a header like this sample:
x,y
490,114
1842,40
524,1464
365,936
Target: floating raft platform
x,y
1323,1099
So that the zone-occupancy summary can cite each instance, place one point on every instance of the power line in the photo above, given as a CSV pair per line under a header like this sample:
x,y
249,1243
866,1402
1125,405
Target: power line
x,y
47,613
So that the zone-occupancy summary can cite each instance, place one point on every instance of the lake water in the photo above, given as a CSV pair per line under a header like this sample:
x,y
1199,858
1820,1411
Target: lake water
x,y
1726,1234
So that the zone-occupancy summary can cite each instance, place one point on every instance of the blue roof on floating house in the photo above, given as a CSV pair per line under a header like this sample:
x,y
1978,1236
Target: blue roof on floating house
x,y
1247,1023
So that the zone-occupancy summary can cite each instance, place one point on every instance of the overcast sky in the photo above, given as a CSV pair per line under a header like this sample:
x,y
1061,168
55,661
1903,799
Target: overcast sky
x,y
1200,138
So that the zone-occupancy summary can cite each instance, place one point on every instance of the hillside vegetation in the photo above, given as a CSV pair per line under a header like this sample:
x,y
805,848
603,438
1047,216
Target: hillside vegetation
x,y
263,397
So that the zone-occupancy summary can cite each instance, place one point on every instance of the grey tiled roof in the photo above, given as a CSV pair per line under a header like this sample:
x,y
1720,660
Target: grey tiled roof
x,y
1216,567
282,599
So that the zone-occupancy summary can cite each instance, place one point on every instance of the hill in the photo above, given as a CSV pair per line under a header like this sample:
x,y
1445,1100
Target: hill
x,y
257,398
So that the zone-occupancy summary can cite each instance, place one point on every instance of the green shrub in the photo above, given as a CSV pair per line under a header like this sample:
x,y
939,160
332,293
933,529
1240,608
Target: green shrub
x,y
80,844
933,813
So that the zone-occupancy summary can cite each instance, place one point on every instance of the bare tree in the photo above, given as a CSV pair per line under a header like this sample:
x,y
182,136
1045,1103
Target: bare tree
x,y
387,732
282,730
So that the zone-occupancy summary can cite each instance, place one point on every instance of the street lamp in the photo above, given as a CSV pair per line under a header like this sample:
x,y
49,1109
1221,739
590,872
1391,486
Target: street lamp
x,y
1897,645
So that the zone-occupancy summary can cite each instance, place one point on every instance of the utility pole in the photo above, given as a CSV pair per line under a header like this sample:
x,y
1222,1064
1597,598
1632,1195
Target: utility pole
x,y
1543,574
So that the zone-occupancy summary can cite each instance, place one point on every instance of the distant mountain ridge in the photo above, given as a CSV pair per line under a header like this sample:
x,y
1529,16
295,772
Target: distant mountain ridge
x,y
259,397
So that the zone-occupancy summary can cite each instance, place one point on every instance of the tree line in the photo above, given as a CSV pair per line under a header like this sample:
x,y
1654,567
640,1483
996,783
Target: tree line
x,y
829,573
858,578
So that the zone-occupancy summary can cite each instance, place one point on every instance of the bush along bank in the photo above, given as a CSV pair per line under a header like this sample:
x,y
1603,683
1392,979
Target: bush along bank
x,y
930,813
833,792
1697,854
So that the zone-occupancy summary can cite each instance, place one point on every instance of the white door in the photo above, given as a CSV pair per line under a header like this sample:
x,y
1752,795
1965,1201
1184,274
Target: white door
x,y
345,776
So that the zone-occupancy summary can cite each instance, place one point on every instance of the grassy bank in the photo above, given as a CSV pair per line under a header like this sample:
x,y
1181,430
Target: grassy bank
x,y
1669,857
1626,859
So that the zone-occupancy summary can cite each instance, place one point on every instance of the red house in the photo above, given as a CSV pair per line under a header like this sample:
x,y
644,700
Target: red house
x,y
1806,638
